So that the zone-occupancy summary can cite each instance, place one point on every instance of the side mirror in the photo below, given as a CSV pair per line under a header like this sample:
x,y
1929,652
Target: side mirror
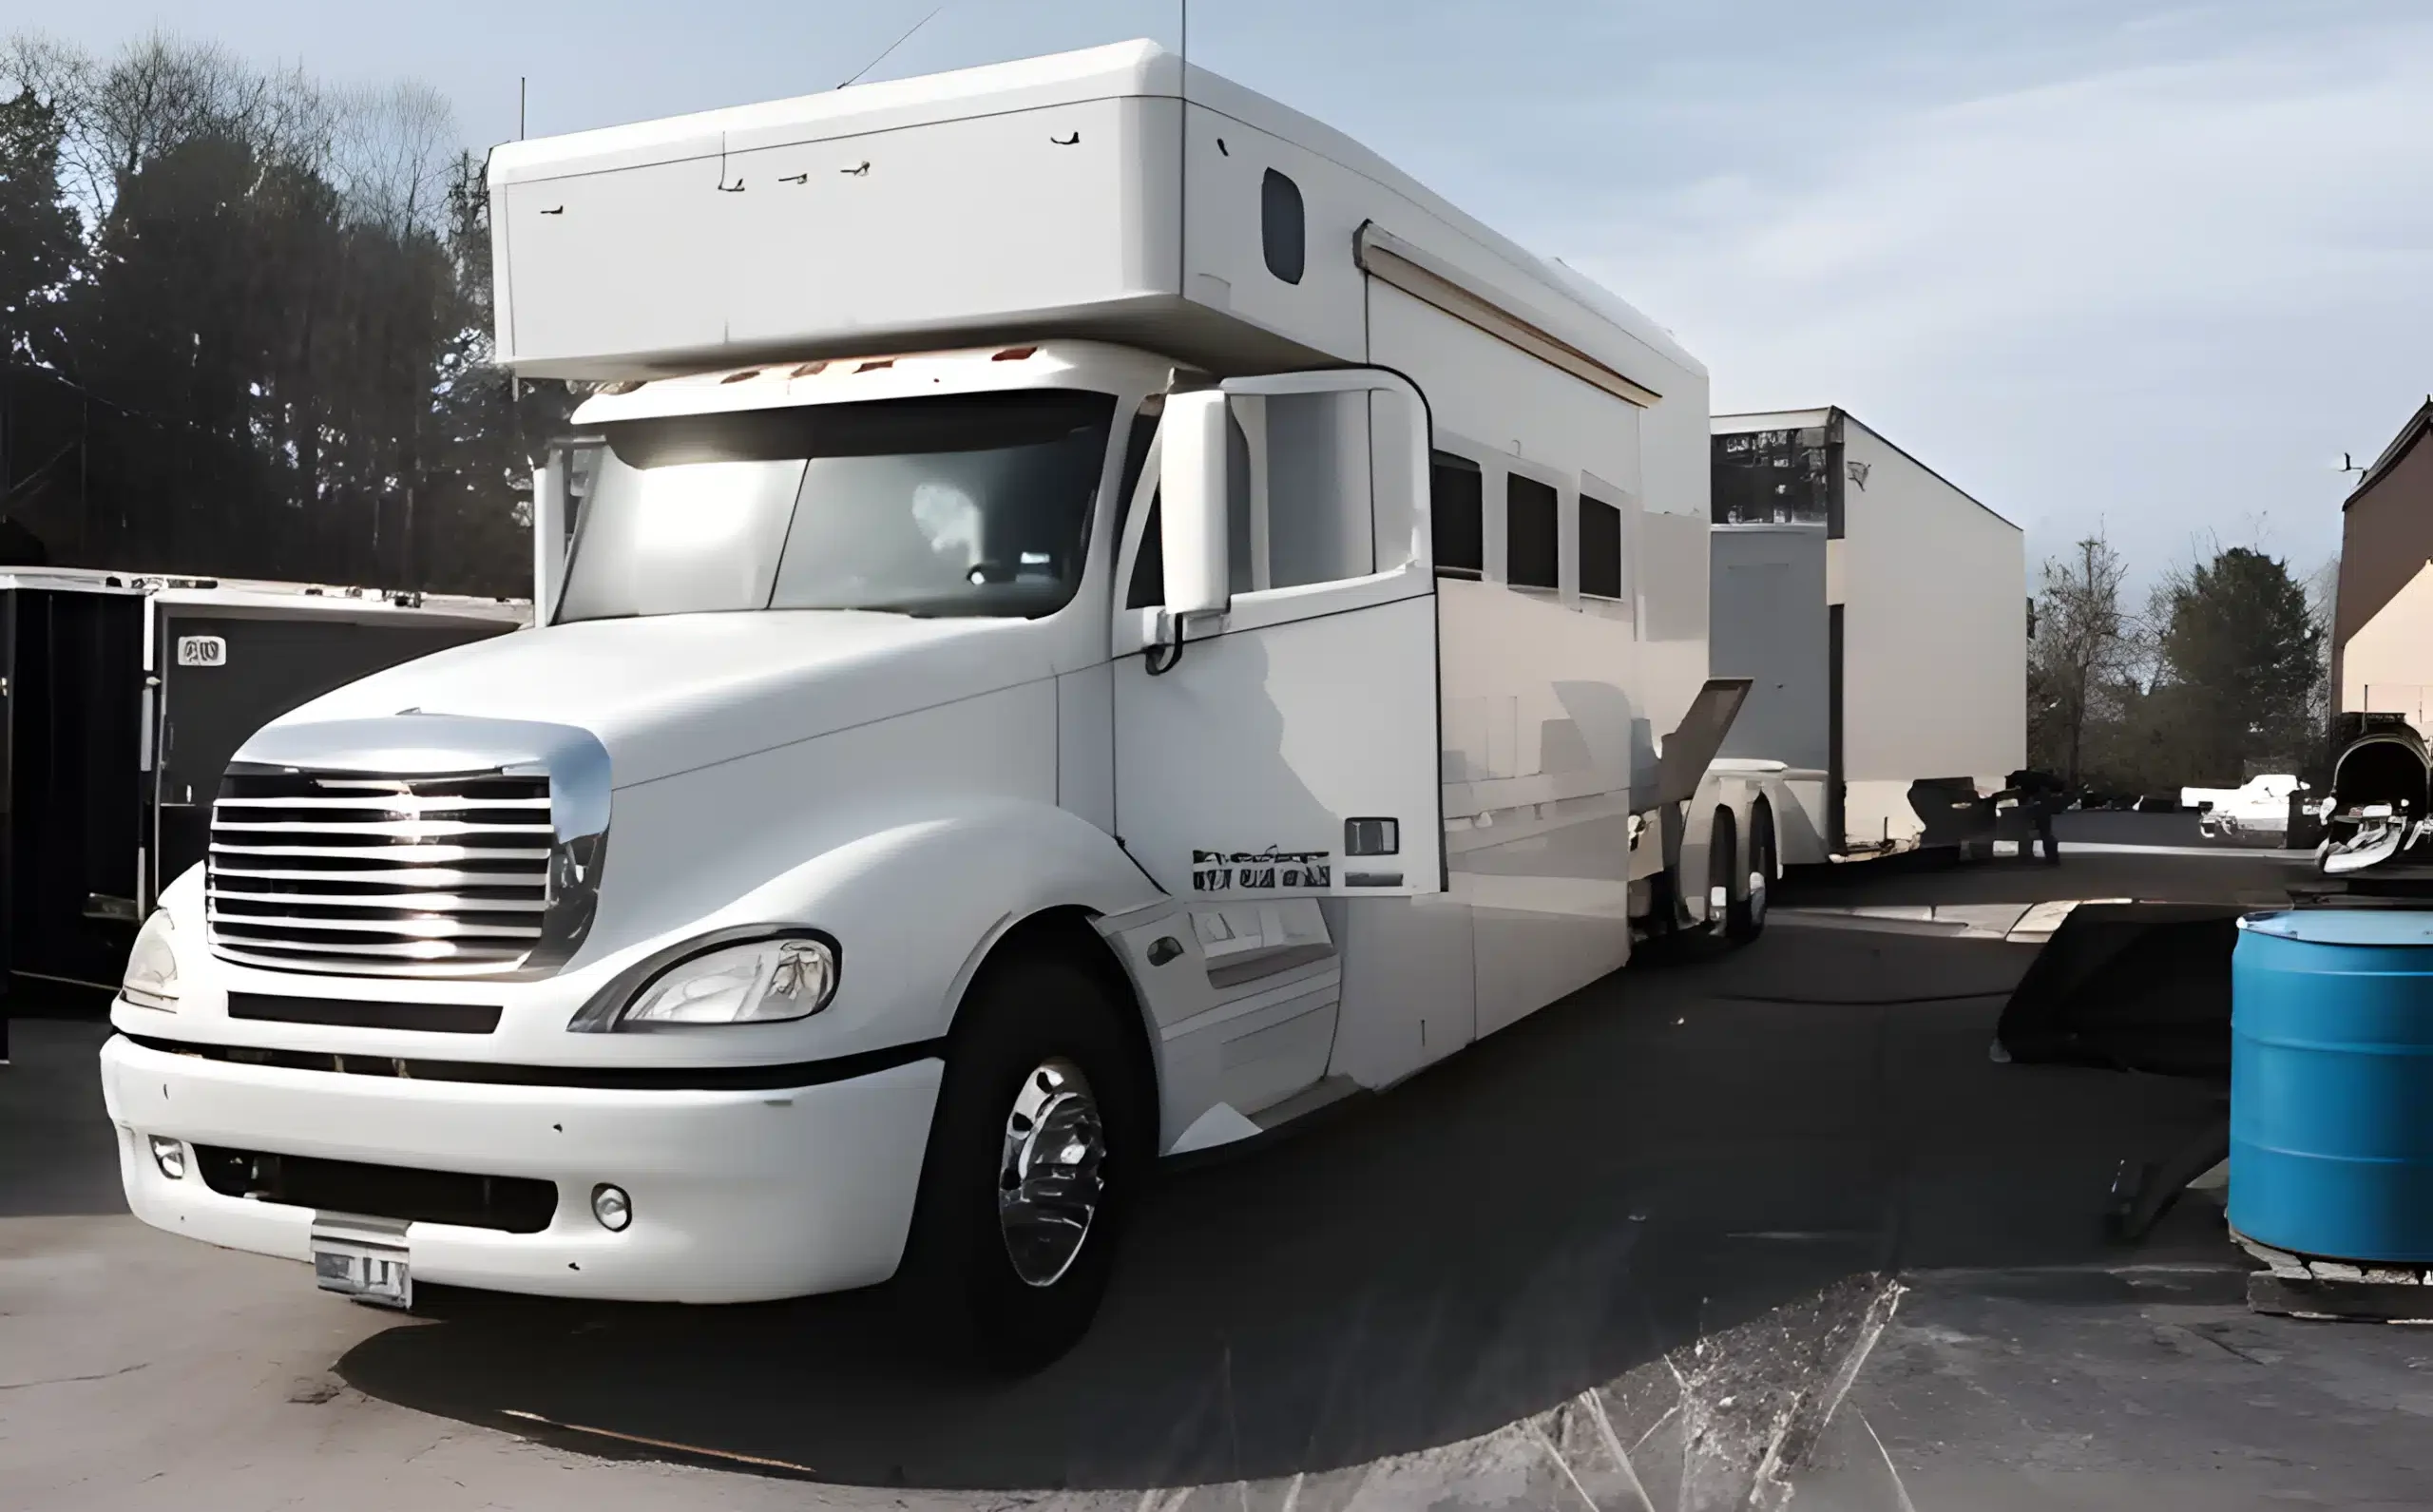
x,y
1191,504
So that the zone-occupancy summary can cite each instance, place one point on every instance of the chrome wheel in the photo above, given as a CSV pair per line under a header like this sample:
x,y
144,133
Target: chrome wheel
x,y
1756,899
1051,1172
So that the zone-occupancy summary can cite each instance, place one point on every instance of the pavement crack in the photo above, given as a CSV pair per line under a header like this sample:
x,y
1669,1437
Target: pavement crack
x,y
64,1380
2227,1347
1564,1465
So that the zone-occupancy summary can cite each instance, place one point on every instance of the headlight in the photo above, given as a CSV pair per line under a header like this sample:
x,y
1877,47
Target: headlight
x,y
151,980
765,982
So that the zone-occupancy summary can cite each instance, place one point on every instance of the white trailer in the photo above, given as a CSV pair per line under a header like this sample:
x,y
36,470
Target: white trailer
x,y
1101,617
1881,614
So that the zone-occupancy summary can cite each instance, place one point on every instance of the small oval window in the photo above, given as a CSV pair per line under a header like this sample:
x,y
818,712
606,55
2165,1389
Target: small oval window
x,y
1283,228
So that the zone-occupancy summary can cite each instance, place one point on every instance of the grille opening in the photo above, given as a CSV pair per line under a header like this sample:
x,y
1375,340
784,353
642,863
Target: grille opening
x,y
379,877
511,1204
429,1017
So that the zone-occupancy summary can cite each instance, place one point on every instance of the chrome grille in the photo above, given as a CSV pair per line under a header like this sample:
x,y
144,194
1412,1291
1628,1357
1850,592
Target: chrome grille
x,y
420,876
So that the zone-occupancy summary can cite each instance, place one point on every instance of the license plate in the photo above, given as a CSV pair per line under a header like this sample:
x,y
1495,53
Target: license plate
x,y
377,1273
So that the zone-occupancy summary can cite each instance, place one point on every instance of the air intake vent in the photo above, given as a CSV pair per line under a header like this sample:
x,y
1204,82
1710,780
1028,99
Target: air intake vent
x,y
427,877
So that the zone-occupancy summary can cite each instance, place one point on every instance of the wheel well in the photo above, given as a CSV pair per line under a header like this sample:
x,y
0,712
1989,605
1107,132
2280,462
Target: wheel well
x,y
1067,931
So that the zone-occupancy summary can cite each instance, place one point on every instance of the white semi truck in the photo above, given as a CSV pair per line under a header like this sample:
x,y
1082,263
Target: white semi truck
x,y
1101,619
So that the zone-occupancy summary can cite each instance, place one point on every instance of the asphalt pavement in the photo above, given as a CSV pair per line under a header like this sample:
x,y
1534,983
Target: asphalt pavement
x,y
1710,1235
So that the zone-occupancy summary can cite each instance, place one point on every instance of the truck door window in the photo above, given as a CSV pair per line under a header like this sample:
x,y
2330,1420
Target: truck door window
x,y
957,504
1532,541
1320,526
1457,500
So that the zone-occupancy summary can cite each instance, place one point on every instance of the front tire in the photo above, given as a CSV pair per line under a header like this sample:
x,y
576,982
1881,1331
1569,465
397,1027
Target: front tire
x,y
1044,1136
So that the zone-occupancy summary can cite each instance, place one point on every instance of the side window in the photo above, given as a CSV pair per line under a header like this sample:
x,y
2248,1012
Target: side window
x,y
1601,548
1283,228
1136,456
1148,587
1457,499
1532,545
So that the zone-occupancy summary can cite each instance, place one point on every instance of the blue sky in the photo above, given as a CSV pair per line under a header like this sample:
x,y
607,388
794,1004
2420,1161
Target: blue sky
x,y
2137,266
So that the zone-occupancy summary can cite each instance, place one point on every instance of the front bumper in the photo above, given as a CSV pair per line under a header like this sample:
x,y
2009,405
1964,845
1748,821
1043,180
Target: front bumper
x,y
737,1197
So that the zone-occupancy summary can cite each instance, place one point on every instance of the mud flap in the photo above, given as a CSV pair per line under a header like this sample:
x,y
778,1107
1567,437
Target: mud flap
x,y
1688,752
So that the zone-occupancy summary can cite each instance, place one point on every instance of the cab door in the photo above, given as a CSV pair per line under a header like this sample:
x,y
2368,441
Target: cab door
x,y
1275,681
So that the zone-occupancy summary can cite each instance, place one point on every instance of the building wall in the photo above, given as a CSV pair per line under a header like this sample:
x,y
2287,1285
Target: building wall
x,y
2389,665
1935,624
2385,539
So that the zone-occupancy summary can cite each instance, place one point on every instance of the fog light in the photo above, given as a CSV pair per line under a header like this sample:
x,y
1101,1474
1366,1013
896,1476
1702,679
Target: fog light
x,y
610,1205
170,1155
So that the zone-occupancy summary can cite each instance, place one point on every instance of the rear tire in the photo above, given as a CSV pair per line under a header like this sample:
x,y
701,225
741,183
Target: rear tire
x,y
1748,912
1723,867
1044,1136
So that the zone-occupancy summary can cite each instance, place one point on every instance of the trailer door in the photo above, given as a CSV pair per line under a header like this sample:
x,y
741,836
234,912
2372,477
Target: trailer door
x,y
1286,746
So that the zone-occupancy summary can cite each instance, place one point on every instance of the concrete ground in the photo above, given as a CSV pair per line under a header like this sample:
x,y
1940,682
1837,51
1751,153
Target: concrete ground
x,y
1707,1236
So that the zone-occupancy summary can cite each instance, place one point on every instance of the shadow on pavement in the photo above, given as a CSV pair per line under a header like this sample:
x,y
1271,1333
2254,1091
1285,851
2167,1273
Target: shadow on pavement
x,y
2258,877
58,1157
1593,1191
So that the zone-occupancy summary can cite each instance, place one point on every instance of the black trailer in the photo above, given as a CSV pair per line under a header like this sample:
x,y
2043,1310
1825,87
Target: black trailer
x,y
122,699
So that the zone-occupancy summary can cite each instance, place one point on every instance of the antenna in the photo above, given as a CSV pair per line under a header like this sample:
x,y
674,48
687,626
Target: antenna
x,y
892,45
523,95
1182,162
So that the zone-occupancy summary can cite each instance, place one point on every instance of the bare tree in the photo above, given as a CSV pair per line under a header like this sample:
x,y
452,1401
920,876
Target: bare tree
x,y
394,150
2084,646
2323,594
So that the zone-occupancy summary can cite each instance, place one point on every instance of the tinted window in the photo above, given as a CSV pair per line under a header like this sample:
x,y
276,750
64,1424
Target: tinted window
x,y
1283,228
1148,587
1136,456
1457,512
1601,548
1531,553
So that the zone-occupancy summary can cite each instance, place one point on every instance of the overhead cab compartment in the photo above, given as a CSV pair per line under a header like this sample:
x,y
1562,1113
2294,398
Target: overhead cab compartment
x,y
737,241
1074,196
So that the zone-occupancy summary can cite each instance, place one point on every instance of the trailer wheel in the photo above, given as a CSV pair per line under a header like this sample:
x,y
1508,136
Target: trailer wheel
x,y
1723,867
1749,913
1044,1136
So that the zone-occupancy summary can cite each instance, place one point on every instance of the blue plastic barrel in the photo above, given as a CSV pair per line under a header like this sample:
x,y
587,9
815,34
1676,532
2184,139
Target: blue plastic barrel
x,y
2331,1082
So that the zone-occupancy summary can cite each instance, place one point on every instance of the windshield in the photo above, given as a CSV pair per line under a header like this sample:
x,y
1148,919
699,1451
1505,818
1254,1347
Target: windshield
x,y
958,505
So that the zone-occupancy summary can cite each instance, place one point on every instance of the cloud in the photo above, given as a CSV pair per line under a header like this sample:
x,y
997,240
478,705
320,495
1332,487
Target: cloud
x,y
2158,296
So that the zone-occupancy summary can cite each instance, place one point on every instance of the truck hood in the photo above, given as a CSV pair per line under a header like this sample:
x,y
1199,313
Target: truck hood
x,y
667,694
